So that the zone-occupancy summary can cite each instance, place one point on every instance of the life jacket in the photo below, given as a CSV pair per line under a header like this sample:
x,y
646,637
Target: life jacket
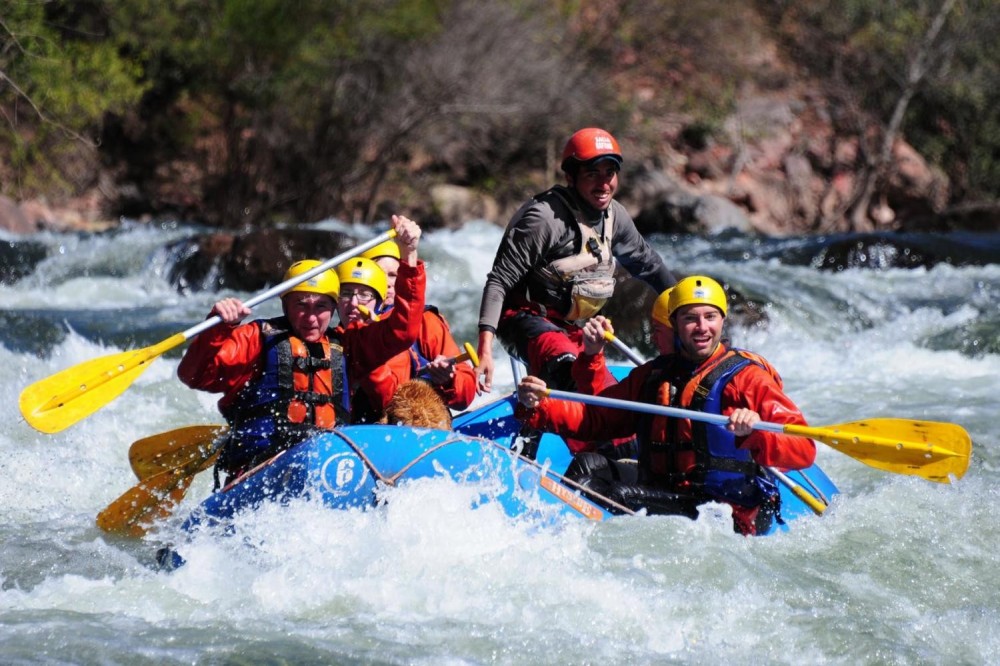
x,y
295,394
581,279
711,465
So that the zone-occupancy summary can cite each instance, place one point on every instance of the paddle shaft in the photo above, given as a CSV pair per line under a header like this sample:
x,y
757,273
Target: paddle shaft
x,y
291,282
658,410
135,362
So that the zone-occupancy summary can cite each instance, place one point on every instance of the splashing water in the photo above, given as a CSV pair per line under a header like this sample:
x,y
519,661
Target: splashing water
x,y
899,570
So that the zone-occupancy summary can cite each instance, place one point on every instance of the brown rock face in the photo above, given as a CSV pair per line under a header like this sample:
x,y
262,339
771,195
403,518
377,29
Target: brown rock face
x,y
13,219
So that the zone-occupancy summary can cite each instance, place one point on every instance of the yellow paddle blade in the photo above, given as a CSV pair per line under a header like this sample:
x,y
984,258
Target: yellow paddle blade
x,y
933,450
59,401
140,507
176,448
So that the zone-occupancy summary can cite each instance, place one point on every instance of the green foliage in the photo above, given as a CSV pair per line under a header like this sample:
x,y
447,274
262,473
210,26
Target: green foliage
x,y
869,47
250,110
58,85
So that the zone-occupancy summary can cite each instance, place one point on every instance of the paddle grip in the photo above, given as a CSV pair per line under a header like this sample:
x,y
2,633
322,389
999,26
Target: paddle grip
x,y
468,355
623,348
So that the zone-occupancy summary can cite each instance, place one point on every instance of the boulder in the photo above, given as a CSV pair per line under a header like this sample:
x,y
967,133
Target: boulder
x,y
19,258
454,205
679,211
251,261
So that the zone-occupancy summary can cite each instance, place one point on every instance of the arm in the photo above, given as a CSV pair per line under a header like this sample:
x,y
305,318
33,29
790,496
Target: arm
x,y
368,346
754,396
455,381
521,249
636,255
577,420
222,359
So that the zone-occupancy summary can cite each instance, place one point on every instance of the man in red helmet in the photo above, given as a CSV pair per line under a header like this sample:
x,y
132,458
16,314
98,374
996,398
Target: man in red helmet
x,y
555,266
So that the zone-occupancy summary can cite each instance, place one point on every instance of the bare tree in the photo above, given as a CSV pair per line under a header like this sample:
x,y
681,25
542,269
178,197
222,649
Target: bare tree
x,y
924,57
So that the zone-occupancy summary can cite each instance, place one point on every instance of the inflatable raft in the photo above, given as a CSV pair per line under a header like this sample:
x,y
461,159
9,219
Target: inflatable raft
x,y
345,467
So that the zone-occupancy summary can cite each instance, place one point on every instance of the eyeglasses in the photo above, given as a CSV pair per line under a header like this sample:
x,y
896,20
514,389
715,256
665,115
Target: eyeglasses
x,y
362,296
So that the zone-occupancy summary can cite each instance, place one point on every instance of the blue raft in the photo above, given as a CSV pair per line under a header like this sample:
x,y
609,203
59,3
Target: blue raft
x,y
343,469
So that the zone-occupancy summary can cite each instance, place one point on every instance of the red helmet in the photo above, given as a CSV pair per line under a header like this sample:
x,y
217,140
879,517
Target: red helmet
x,y
589,144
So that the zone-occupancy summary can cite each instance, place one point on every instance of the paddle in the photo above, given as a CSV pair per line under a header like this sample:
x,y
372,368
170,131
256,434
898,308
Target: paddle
x,y
166,464
468,355
816,505
59,401
929,449
153,499
169,450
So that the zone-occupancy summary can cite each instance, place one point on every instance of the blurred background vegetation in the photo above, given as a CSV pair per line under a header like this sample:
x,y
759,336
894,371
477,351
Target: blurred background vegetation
x,y
249,112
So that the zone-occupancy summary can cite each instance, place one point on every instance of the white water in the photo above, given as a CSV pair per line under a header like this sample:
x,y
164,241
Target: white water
x,y
899,570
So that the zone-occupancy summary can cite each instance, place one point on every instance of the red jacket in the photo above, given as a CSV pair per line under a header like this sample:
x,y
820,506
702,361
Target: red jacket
x,y
753,388
367,345
435,340
591,374
224,358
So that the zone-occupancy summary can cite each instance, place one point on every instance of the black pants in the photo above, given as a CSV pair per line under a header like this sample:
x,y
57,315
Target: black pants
x,y
618,481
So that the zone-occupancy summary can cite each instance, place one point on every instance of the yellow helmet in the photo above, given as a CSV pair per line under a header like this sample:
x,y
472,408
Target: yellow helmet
x,y
364,271
661,312
696,289
325,283
389,248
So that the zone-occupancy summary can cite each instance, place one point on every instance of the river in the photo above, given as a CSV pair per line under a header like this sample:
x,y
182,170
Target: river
x,y
898,571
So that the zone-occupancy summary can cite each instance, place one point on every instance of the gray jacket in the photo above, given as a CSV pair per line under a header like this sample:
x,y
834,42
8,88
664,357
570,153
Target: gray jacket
x,y
545,229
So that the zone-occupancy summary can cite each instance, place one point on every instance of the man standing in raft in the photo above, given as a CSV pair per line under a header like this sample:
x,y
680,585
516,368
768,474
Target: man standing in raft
x,y
556,263
682,463
282,378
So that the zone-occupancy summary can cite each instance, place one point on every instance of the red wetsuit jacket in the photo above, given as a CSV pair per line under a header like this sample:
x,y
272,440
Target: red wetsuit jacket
x,y
435,340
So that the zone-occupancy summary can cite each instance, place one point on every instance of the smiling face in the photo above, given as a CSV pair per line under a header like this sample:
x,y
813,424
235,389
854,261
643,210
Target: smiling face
x,y
596,183
309,314
699,328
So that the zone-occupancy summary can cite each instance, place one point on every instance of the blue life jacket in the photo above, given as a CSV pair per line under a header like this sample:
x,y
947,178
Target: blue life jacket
x,y
722,470
298,391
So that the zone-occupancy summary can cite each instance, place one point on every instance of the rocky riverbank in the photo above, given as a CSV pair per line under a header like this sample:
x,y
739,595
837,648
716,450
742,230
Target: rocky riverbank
x,y
797,176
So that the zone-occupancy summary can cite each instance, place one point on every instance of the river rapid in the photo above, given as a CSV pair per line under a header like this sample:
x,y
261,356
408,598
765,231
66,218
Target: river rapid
x,y
898,571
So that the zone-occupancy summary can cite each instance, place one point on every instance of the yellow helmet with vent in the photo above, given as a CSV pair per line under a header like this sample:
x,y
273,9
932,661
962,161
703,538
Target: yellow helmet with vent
x,y
696,290
661,313
325,283
365,272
